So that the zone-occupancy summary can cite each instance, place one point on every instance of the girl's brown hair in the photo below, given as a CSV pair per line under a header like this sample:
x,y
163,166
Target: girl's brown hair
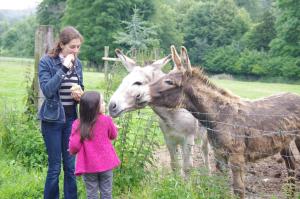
x,y
65,36
88,111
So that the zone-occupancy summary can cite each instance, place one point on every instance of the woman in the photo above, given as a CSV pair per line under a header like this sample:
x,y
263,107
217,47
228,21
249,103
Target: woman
x,y
58,71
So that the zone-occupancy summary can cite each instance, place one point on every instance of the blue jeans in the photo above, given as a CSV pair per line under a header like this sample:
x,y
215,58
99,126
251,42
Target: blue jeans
x,y
56,137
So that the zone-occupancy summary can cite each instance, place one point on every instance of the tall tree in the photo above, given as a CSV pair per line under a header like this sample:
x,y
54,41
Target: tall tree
x,y
166,19
100,20
50,12
138,34
254,7
262,33
211,25
287,42
18,39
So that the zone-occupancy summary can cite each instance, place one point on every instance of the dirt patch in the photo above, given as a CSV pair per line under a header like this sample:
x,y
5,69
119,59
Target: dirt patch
x,y
264,179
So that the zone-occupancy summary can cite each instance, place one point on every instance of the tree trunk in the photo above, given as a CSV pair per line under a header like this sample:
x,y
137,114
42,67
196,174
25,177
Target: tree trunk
x,y
43,43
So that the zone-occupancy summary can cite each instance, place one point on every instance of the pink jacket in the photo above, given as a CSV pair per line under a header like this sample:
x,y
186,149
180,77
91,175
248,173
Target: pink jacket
x,y
97,154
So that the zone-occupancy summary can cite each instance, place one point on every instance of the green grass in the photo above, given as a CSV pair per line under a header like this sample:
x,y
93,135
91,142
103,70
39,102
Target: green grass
x,y
16,75
13,83
254,90
17,182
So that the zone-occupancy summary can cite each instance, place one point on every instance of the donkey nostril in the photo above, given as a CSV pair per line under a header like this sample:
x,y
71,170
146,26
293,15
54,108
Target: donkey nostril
x,y
112,106
138,96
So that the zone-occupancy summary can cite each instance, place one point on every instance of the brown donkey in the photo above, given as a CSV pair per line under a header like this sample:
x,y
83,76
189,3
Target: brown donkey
x,y
240,131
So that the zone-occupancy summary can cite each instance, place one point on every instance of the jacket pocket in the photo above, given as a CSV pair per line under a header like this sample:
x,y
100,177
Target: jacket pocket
x,y
51,110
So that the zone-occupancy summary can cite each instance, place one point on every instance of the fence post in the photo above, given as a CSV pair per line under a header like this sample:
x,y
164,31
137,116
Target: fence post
x,y
43,43
106,52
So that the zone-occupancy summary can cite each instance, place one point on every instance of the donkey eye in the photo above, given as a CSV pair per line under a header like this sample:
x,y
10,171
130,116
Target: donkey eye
x,y
137,83
169,82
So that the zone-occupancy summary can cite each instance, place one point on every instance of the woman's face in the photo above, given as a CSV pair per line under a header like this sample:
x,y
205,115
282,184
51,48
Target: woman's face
x,y
72,47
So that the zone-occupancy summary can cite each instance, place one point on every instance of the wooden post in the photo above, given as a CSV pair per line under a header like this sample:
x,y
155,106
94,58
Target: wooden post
x,y
43,43
106,52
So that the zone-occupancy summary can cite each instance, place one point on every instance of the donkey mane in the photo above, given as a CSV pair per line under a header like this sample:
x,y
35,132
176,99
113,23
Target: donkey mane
x,y
199,74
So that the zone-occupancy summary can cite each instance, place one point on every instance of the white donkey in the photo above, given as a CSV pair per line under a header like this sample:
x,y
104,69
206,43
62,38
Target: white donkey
x,y
178,125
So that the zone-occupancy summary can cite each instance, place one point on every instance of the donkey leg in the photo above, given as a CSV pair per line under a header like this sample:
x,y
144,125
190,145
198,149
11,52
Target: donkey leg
x,y
289,160
171,145
187,154
173,151
297,142
221,162
237,165
205,151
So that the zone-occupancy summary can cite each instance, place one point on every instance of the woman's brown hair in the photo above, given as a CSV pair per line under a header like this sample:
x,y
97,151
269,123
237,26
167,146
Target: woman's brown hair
x,y
65,36
88,110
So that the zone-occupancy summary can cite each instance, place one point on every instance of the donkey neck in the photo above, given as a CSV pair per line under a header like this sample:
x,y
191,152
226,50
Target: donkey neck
x,y
164,113
207,102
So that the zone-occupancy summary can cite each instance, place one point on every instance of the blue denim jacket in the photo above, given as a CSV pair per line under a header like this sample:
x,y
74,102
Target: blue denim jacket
x,y
50,78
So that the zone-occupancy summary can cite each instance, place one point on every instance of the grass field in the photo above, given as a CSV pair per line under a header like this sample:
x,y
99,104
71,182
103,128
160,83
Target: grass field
x,y
14,71
13,81
254,90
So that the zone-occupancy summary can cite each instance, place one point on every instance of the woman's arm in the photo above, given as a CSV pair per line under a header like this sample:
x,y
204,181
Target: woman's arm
x,y
48,84
80,75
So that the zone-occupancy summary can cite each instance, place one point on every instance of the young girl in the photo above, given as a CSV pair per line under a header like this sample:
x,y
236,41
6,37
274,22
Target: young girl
x,y
91,140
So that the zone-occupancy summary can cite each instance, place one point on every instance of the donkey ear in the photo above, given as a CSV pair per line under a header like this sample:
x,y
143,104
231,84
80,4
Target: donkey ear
x,y
176,59
128,63
161,62
185,59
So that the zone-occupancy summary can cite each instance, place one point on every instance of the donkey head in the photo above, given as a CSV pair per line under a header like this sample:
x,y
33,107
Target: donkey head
x,y
168,90
130,94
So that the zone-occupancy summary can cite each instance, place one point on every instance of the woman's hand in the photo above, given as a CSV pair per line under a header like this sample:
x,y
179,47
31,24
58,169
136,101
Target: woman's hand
x,y
69,61
76,92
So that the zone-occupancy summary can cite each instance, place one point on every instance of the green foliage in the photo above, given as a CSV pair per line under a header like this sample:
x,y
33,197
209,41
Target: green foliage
x,y
50,12
169,186
254,7
251,63
169,34
16,182
287,26
260,36
223,59
18,40
138,34
137,140
100,20
3,27
211,25
22,138
233,59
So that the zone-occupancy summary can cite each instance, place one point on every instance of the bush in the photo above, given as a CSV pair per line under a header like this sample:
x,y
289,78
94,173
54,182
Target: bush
x,y
222,60
16,182
22,138
168,186
252,63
